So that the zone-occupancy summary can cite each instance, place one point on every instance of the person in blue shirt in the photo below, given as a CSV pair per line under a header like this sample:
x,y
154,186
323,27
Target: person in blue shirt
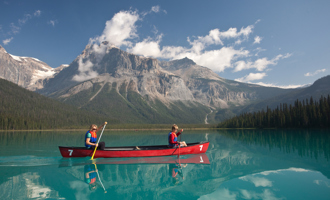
x,y
91,137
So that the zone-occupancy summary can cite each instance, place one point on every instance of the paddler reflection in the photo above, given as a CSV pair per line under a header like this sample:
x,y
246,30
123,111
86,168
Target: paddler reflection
x,y
175,171
91,174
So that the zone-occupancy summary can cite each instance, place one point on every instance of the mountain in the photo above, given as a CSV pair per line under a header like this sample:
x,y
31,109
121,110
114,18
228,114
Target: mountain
x,y
24,109
135,89
319,88
26,72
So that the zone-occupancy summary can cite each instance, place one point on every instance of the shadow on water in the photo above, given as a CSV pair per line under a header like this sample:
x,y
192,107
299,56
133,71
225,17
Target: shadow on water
x,y
234,157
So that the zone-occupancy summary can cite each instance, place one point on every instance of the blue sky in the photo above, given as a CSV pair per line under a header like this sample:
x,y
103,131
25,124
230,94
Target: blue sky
x,y
276,43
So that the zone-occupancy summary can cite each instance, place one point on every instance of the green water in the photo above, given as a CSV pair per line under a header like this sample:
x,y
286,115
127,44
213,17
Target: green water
x,y
244,164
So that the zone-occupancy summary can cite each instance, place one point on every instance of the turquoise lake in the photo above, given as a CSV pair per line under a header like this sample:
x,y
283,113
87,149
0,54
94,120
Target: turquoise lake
x,y
239,164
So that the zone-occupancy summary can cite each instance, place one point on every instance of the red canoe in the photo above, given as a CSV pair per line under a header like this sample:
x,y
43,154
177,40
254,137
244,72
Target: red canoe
x,y
142,151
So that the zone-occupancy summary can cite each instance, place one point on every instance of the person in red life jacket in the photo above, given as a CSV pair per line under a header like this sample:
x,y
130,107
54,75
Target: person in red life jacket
x,y
91,138
90,176
173,137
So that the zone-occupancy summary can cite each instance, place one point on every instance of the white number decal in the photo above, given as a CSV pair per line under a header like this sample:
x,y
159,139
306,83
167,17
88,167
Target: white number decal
x,y
70,152
201,159
201,147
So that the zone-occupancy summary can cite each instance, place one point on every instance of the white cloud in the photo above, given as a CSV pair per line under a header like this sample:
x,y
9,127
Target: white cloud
x,y
14,29
258,50
293,169
278,86
24,19
238,42
52,22
148,47
27,17
257,40
117,32
85,71
217,60
7,41
257,21
37,13
258,181
155,9
215,37
119,29
260,64
316,72
251,77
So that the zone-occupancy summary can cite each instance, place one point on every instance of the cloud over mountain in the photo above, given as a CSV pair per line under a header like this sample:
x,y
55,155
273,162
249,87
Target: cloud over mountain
x,y
217,50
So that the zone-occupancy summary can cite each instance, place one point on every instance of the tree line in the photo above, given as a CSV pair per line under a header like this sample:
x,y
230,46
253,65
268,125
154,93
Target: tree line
x,y
308,113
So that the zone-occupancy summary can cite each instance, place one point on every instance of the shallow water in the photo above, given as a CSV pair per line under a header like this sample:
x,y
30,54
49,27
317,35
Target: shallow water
x,y
243,164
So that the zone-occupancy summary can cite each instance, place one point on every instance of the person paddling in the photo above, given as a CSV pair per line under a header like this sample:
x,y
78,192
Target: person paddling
x,y
91,138
173,138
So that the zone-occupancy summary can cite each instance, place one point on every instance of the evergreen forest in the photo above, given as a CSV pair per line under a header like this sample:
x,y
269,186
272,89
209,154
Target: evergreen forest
x,y
21,109
308,113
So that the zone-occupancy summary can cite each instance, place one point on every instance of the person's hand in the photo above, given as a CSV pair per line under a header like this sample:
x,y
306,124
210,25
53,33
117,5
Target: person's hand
x,y
181,130
96,170
96,145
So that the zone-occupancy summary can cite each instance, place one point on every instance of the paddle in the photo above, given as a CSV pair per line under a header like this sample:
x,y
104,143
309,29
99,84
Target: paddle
x,y
99,177
179,147
105,123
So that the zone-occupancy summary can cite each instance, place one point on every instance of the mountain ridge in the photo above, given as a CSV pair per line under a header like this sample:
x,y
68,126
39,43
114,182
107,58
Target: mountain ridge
x,y
157,86
26,72
319,88
118,84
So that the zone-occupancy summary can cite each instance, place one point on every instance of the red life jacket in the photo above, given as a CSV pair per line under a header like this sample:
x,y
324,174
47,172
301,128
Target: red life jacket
x,y
175,140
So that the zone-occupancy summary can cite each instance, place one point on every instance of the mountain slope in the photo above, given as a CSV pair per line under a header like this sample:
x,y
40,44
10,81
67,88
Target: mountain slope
x,y
25,71
23,109
136,89
316,90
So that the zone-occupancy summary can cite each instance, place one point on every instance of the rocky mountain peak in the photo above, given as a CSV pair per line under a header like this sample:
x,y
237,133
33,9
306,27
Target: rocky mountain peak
x,y
2,50
26,72
183,61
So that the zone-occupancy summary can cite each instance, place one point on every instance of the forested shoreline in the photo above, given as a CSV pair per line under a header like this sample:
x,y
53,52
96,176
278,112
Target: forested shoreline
x,y
308,113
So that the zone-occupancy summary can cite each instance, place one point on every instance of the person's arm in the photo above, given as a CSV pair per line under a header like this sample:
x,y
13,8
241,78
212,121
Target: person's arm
x,y
100,128
178,133
89,143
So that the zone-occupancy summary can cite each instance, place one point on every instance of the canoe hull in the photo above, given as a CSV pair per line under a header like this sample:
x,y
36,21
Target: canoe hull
x,y
145,151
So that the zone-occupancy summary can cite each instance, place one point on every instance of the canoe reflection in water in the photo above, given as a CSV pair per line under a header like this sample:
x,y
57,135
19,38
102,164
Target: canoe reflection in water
x,y
102,173
193,158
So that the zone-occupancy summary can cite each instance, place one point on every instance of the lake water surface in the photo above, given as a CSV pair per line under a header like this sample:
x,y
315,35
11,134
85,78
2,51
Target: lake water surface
x,y
239,164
